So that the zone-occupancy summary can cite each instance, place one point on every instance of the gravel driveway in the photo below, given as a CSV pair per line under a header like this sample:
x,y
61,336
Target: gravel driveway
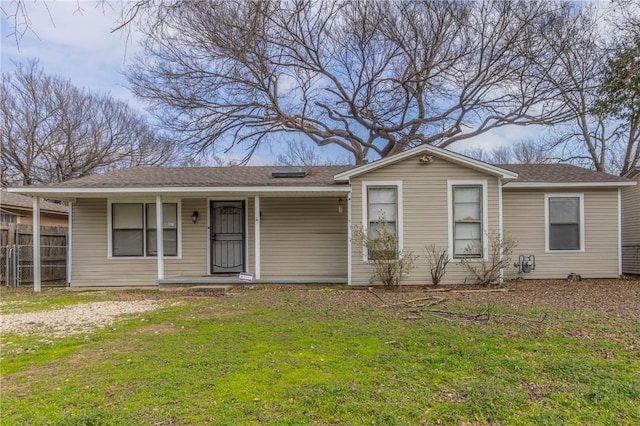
x,y
74,319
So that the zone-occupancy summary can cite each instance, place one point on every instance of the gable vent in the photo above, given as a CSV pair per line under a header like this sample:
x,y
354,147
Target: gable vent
x,y
290,172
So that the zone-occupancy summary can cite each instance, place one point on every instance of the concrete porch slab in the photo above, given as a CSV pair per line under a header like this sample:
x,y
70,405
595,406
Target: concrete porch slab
x,y
185,281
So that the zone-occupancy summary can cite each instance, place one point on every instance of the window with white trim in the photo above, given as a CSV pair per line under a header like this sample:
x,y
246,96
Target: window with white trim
x,y
134,230
564,223
169,229
467,220
382,213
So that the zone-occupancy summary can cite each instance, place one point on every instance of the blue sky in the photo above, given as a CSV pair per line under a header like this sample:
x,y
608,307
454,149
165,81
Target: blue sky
x,y
72,39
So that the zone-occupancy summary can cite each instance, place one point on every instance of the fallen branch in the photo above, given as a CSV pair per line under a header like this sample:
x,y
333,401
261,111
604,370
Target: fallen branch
x,y
374,293
411,303
485,290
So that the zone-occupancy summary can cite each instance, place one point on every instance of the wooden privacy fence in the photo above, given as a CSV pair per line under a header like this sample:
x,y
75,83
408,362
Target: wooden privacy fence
x,y
16,254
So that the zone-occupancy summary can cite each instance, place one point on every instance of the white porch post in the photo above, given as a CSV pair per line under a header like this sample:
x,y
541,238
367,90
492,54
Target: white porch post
x,y
160,237
69,242
349,246
256,214
36,244
500,225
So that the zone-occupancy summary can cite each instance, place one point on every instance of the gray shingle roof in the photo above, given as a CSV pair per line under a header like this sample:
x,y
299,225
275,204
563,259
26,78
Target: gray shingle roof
x,y
559,173
9,199
191,177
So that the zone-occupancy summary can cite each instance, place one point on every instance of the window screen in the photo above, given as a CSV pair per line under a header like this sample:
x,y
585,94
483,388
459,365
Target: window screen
x,y
564,223
382,213
128,224
134,231
467,221
170,229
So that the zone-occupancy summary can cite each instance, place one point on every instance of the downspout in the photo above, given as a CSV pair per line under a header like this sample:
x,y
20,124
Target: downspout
x,y
619,231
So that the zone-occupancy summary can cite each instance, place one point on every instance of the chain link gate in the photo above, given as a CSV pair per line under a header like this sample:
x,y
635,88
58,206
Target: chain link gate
x,y
16,258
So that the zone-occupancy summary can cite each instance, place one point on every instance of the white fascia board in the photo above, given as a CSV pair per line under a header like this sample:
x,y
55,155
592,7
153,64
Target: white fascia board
x,y
567,184
438,152
79,192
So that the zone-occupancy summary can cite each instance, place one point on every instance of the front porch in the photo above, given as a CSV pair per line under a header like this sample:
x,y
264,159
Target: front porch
x,y
186,281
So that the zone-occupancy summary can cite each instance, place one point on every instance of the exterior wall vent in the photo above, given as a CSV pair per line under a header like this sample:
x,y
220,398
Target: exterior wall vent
x,y
290,172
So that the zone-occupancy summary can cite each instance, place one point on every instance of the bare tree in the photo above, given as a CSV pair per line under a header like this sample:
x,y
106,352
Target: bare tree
x,y
527,151
599,136
53,131
372,77
301,152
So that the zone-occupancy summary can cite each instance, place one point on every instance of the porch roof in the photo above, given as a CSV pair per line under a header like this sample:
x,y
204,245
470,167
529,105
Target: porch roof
x,y
193,180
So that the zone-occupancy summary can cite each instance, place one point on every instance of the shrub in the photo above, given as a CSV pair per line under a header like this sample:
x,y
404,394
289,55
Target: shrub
x,y
438,258
488,271
390,264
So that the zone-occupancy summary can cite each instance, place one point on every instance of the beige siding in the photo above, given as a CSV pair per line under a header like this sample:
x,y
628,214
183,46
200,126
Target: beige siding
x,y
300,237
631,228
425,219
90,266
524,221
303,237
194,242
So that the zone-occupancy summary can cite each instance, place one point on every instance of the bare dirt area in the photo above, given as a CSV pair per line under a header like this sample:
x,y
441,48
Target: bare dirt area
x,y
612,297
618,297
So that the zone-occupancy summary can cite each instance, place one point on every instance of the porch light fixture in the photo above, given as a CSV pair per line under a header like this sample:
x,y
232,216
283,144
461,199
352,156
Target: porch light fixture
x,y
194,216
340,205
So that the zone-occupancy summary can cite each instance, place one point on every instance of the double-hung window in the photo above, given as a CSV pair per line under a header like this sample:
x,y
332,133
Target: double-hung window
x,y
382,221
169,230
127,221
564,222
382,211
467,224
134,229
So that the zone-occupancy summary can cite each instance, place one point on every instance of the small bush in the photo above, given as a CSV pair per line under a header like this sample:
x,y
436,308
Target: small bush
x,y
438,258
390,264
488,271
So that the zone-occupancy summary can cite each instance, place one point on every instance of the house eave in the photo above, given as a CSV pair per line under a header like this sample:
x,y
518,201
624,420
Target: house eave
x,y
515,185
131,191
428,149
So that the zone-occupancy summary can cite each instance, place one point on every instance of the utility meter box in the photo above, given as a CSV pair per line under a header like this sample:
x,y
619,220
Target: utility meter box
x,y
526,264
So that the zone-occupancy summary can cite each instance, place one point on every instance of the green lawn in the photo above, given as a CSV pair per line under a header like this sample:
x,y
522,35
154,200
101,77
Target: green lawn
x,y
322,357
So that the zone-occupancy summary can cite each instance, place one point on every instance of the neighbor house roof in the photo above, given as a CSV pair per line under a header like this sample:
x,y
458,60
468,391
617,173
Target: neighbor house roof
x,y
631,174
195,180
561,175
21,202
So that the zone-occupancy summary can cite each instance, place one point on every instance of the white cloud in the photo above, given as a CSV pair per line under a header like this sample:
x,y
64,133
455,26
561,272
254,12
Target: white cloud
x,y
501,136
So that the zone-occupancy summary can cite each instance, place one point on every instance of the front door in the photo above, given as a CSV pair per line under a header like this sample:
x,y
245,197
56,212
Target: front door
x,y
227,237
